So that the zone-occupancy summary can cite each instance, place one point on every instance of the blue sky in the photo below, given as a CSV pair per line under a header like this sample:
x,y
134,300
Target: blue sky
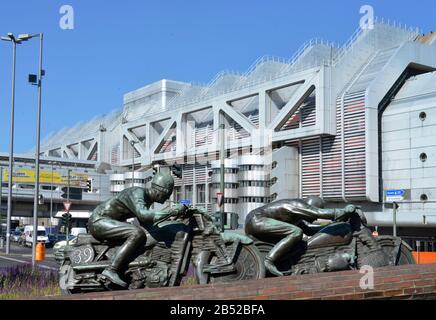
x,y
119,46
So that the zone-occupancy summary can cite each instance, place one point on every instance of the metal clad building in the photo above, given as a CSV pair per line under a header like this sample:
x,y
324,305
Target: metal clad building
x,y
350,118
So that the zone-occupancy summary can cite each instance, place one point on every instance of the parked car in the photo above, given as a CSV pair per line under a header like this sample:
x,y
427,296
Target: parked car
x,y
57,237
59,249
16,235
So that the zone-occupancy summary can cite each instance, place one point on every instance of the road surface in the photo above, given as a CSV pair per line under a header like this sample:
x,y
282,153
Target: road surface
x,y
21,255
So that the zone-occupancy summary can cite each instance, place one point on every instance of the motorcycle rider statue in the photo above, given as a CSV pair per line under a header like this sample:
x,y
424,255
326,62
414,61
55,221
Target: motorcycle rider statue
x,y
108,220
284,221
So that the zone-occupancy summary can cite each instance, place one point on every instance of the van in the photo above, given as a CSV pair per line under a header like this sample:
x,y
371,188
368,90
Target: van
x,y
41,235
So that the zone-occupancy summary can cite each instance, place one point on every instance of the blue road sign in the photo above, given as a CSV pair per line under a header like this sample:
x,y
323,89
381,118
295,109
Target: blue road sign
x,y
393,193
185,202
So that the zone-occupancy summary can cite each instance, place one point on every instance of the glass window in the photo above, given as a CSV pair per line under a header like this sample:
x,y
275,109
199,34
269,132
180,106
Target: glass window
x,y
188,192
201,193
177,194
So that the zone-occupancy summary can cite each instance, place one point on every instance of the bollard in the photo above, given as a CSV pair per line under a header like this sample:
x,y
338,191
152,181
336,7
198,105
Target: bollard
x,y
40,251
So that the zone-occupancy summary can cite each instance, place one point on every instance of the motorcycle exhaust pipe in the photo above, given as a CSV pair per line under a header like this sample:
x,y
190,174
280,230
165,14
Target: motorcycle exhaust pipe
x,y
104,264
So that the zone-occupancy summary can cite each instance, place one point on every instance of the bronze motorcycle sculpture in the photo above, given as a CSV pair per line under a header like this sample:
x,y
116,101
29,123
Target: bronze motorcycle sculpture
x,y
171,245
341,245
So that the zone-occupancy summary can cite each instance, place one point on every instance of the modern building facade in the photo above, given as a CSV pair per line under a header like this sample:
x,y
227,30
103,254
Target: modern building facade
x,y
346,123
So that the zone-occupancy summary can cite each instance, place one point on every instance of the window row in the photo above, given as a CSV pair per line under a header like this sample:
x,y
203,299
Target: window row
x,y
255,199
255,183
226,170
251,167
226,185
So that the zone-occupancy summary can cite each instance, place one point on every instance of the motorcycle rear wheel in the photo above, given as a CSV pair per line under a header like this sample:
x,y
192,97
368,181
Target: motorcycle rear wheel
x,y
248,264
404,255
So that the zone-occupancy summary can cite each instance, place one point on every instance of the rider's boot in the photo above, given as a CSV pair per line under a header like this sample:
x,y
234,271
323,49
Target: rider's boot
x,y
281,248
269,265
113,276
124,254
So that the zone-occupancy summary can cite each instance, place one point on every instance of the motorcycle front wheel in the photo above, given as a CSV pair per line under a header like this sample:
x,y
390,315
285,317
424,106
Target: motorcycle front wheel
x,y
248,266
64,276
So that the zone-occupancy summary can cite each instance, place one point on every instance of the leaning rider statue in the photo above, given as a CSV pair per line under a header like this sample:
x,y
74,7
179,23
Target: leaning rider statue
x,y
283,221
108,220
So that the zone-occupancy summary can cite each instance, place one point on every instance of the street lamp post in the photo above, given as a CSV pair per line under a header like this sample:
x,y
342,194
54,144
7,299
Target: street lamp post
x,y
1,193
38,80
10,37
51,197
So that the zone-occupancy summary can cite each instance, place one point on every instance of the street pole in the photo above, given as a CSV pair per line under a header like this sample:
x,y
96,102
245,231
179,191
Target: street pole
x,y
11,151
222,175
67,233
394,213
133,164
38,143
1,193
51,198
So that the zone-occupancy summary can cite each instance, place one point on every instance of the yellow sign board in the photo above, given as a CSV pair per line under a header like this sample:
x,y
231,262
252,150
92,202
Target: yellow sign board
x,y
46,177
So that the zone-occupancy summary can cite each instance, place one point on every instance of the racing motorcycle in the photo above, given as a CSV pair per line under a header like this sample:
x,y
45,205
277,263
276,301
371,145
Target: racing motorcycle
x,y
341,245
172,244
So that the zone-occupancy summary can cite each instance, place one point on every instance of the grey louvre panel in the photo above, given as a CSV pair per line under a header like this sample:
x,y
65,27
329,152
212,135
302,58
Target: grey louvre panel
x,y
203,134
305,116
188,174
293,122
115,154
200,174
170,143
332,184
310,167
332,168
308,111
254,118
354,146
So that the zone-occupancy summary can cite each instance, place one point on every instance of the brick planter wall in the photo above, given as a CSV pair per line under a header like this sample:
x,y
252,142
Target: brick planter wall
x,y
400,282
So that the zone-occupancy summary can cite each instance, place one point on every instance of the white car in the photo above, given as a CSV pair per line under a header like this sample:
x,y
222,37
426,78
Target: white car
x,y
59,248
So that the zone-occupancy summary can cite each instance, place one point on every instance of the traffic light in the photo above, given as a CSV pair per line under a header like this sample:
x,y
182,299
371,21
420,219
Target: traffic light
x,y
177,170
40,199
66,218
89,186
75,193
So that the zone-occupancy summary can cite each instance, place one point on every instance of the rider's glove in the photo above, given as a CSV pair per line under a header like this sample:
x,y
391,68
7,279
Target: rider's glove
x,y
343,214
174,211
179,209
350,208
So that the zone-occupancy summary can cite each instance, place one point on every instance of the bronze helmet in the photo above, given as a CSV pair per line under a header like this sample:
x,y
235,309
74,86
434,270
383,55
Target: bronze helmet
x,y
315,201
163,182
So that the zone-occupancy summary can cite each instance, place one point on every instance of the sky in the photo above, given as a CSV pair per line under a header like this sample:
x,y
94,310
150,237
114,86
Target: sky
x,y
119,46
